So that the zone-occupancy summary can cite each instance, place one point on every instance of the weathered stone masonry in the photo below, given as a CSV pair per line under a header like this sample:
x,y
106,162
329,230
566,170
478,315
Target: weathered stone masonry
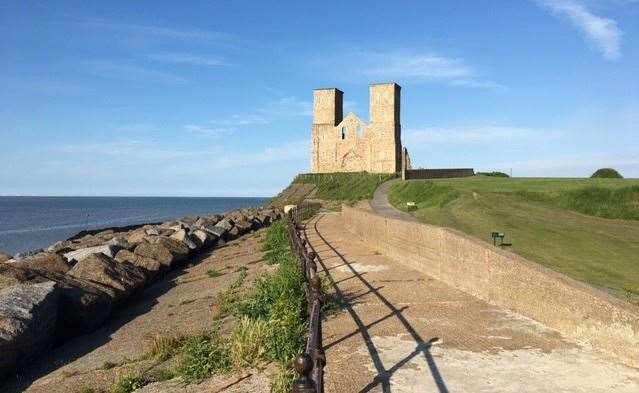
x,y
348,144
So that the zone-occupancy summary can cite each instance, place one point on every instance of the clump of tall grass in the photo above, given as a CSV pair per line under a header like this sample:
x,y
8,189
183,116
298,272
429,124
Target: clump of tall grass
x,y
620,203
165,346
248,343
203,355
128,383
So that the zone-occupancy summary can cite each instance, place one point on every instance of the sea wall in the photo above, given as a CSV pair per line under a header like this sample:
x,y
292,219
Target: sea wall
x,y
578,311
70,289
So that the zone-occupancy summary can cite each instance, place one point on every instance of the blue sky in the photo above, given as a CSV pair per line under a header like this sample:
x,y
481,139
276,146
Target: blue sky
x,y
213,98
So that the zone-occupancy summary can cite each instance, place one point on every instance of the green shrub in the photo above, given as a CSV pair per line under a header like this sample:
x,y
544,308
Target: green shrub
x,y
203,355
129,383
606,173
213,273
493,174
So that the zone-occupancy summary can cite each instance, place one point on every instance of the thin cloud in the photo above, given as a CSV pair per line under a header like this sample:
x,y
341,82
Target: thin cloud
x,y
415,67
602,32
287,106
127,71
221,127
159,31
426,136
189,59
210,130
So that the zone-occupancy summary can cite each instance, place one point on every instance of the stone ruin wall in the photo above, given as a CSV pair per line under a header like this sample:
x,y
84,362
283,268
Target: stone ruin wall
x,y
348,144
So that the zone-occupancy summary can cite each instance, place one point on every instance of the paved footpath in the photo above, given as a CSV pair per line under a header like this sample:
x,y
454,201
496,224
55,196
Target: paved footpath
x,y
401,331
380,203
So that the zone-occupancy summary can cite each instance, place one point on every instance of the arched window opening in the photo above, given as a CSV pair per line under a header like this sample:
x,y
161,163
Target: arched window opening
x,y
343,133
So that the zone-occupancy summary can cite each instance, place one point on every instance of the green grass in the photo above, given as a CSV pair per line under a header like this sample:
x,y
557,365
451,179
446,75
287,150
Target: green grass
x,y
165,346
584,228
344,186
214,273
279,299
128,383
271,326
203,355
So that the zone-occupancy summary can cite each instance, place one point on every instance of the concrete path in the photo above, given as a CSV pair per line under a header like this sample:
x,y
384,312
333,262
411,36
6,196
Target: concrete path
x,y
402,331
380,203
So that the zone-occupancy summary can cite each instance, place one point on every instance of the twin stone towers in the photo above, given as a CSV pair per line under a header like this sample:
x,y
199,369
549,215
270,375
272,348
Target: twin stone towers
x,y
348,144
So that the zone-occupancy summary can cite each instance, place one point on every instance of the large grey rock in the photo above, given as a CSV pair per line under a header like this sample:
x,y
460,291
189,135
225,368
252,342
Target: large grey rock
x,y
83,307
28,314
45,262
136,237
202,237
83,253
208,220
150,267
182,236
243,226
178,249
226,223
234,233
156,252
11,275
265,219
119,280
120,242
26,254
216,231
60,246
152,232
4,257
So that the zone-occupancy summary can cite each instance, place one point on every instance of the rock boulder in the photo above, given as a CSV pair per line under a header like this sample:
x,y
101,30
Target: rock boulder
x,y
150,267
81,254
28,314
4,257
119,279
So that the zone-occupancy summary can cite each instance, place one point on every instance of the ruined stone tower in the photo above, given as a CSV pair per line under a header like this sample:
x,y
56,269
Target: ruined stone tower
x,y
348,144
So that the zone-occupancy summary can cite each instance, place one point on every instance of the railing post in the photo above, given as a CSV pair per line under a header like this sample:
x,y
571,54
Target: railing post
x,y
303,367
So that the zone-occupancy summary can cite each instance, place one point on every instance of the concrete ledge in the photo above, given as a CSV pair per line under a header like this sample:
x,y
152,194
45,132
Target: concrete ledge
x,y
580,312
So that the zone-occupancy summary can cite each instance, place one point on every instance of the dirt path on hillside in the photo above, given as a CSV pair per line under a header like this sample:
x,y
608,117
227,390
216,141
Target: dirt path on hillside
x,y
402,331
183,302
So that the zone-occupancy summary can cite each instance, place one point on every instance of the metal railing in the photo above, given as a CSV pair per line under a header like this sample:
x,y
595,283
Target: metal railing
x,y
310,364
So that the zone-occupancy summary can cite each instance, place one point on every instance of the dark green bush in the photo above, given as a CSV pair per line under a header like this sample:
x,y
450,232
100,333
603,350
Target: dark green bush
x,y
493,174
606,173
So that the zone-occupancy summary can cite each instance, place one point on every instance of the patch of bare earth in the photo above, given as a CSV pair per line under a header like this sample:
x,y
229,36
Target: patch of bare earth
x,y
184,302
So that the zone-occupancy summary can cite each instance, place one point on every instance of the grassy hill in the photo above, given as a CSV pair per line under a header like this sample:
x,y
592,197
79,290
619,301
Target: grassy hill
x,y
334,187
585,228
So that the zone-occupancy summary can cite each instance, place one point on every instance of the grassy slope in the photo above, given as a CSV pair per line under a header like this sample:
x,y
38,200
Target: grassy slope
x,y
334,187
344,186
538,218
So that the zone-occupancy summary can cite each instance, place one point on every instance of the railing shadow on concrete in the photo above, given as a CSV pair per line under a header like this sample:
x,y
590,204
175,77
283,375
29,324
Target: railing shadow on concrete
x,y
383,374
